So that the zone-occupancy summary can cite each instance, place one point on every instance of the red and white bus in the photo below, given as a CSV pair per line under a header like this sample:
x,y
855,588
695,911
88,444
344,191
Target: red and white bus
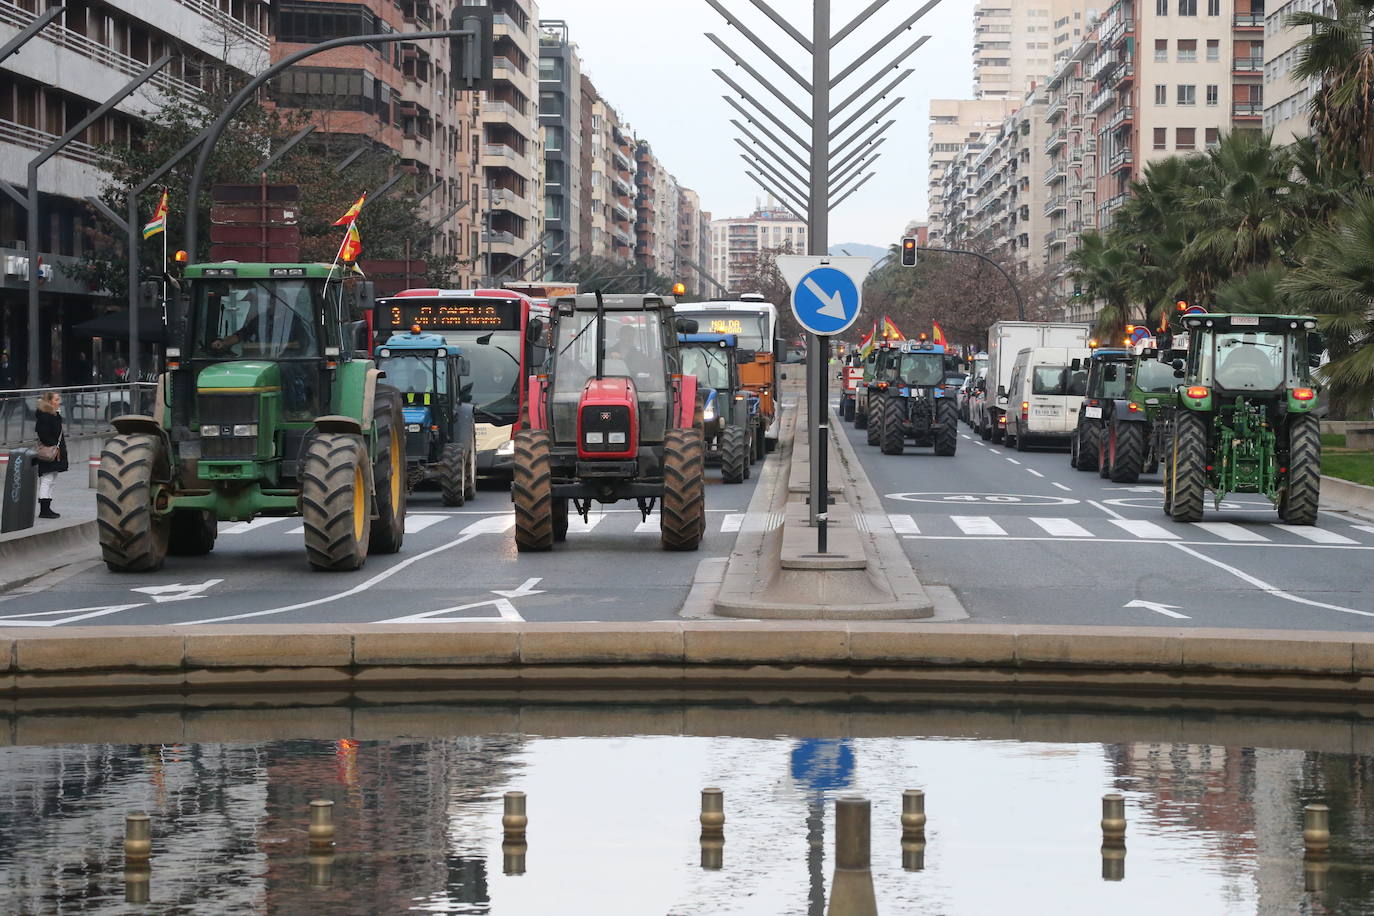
x,y
489,327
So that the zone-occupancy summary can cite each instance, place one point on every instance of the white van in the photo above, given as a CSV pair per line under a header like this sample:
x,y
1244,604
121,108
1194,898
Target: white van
x,y
1043,395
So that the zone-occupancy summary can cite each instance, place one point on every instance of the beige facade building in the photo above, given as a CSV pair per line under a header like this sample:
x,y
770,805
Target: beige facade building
x,y
736,243
693,243
1018,44
953,124
1286,99
609,194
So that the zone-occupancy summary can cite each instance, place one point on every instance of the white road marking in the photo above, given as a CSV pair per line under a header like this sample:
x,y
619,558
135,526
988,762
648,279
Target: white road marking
x,y
1231,532
577,526
1034,471
1144,529
1112,512
256,524
524,588
1062,528
650,525
503,607
977,524
903,524
965,436
75,614
1168,610
497,524
732,522
1060,486
1316,535
1013,461
1097,540
1270,589
416,523
1369,528
176,591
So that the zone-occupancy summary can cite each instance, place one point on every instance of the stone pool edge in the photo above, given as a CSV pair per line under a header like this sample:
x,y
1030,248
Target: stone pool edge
x,y
106,663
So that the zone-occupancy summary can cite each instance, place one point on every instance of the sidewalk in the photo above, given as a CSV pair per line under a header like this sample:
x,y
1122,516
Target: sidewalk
x,y
52,543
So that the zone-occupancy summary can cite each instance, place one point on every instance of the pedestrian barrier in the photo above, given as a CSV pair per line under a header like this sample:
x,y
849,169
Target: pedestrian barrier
x,y
21,490
86,409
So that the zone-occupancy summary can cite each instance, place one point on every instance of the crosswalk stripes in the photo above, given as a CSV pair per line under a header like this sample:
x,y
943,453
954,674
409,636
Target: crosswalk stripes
x,y
1143,529
1062,528
977,525
1119,530
1317,535
903,524
1230,532
732,522
577,526
256,524
1369,528
650,525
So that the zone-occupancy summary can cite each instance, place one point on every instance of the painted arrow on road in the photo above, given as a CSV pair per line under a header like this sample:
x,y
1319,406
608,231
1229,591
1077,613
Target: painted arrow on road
x,y
526,588
1168,610
504,609
176,591
70,615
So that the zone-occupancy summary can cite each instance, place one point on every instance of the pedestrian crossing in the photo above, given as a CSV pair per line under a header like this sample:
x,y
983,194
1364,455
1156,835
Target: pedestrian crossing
x,y
1117,530
613,523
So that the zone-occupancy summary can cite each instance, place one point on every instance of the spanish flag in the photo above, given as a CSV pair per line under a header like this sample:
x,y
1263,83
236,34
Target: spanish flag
x,y
890,331
159,223
938,338
866,345
352,244
352,214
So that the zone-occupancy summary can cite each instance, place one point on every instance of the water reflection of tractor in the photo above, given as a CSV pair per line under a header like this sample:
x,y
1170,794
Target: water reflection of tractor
x,y
730,414
441,445
1243,418
612,417
263,411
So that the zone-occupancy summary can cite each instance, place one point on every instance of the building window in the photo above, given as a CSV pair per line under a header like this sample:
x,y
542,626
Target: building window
x,y
1213,7
1161,7
1212,94
553,137
1187,95
1187,7
1161,94
1161,50
1161,138
1213,49
1185,138
1187,50
1213,136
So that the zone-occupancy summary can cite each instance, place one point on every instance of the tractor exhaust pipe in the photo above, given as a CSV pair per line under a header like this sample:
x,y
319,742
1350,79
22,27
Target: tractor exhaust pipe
x,y
600,336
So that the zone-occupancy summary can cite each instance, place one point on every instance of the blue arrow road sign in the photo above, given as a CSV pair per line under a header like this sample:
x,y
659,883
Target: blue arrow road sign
x,y
826,301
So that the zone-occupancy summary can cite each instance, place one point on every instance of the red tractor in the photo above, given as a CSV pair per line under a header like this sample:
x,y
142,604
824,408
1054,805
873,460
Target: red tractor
x,y
611,418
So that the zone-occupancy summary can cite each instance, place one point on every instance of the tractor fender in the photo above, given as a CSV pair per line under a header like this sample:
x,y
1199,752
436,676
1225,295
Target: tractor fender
x,y
534,402
686,401
335,423
1121,411
369,395
137,423
464,425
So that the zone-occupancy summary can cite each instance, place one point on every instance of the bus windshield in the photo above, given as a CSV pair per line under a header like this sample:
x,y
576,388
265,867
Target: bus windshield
x,y
750,327
493,388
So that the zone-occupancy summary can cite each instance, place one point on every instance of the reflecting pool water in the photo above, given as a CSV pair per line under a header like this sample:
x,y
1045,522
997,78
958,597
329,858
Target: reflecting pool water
x,y
1013,800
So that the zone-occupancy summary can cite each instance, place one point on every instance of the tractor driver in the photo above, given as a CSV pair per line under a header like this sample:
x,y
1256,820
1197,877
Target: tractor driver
x,y
628,350
1247,365
280,331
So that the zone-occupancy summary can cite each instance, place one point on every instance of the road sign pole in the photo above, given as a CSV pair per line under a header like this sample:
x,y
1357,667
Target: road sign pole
x,y
818,233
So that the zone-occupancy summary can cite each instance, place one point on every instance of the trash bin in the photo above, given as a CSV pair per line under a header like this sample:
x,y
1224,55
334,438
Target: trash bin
x,y
21,490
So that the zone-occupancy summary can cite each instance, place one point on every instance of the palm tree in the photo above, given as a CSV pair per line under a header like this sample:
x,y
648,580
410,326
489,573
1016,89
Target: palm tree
x,y
1103,269
1337,285
1258,292
1338,54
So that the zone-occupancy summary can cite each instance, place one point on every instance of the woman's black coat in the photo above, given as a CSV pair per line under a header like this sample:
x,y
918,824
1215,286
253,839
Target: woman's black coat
x,y
49,429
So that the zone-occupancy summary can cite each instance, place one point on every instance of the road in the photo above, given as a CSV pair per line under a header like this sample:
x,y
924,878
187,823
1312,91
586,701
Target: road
x,y
1024,538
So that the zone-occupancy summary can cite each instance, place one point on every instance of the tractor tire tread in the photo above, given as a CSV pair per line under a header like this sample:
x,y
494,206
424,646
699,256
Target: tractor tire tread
x,y
131,538
1302,491
734,460
327,502
1128,453
684,491
1188,468
531,491
453,463
893,437
947,439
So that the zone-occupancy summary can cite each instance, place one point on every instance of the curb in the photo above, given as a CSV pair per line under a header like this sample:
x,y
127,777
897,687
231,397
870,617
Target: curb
x,y
119,664
23,559
1346,494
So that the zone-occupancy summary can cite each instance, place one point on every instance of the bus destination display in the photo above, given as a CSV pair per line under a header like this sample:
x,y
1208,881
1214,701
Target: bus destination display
x,y
453,316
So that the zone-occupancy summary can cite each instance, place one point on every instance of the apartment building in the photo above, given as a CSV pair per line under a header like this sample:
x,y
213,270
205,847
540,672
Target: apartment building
x,y
512,158
562,121
736,243
1017,44
1009,209
953,124
1287,99
62,74
396,97
693,243
1071,167
611,192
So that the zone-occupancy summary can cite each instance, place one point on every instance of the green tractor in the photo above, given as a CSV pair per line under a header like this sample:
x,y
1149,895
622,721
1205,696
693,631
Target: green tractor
x,y
1243,420
1139,426
268,406
1108,371
731,420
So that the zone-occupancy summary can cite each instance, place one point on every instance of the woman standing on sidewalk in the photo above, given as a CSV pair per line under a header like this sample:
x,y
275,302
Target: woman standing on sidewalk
x,y
48,425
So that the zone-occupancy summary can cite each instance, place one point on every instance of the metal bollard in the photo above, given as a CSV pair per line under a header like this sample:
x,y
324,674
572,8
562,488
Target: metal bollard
x,y
513,820
138,837
1314,869
1114,816
321,868
712,812
513,855
321,823
1316,828
913,830
851,890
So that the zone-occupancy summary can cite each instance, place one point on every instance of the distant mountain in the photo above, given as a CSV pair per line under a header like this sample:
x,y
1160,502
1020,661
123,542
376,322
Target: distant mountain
x,y
858,250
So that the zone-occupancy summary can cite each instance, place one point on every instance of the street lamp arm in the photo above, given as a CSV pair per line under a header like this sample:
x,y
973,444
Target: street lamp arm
x,y
781,198
1020,303
854,138
783,24
887,109
759,78
845,196
861,151
774,151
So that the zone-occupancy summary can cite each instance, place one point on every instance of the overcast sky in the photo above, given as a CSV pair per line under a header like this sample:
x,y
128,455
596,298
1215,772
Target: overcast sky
x,y
650,59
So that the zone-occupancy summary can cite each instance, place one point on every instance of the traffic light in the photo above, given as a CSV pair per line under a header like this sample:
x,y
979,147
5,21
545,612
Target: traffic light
x,y
908,252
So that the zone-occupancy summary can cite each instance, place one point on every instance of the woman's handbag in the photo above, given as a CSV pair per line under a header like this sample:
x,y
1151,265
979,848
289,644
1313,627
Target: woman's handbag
x,y
49,452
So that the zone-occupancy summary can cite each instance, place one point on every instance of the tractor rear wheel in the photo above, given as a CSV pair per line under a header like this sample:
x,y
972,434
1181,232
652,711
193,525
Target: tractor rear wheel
x,y
1088,435
532,491
453,473
132,539
734,462
682,511
193,532
389,473
1128,452
1298,498
1104,452
334,501
847,410
947,439
875,421
860,416
893,435
1187,468
560,518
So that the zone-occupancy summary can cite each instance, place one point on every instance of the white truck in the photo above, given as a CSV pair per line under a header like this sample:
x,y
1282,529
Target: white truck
x,y
988,410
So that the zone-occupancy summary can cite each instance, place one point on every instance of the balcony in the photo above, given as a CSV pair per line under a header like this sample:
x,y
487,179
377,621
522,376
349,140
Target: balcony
x,y
1055,172
1124,76
1247,110
1101,65
1101,101
1056,140
1248,20
1122,158
623,160
1056,204
502,110
499,238
1058,105
1056,237
1122,118
1248,65
505,68
500,151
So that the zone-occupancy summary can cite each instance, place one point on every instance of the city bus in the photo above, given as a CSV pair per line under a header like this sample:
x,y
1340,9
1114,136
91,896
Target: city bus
x,y
755,322
488,326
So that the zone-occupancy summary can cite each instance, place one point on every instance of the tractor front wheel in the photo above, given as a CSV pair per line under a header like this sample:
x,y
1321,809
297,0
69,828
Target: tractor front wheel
x,y
335,506
470,488
132,538
734,462
1088,436
1298,498
875,421
1187,468
532,491
683,507
893,435
947,439
389,473
193,532
1128,452
453,473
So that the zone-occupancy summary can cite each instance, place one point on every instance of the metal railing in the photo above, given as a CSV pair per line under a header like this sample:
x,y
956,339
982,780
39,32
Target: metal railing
x,y
86,409
39,140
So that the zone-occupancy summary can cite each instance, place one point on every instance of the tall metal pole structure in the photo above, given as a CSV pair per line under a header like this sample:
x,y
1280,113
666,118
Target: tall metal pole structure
x,y
821,182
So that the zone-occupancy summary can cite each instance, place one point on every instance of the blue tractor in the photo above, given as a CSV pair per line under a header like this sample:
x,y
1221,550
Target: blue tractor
x,y
913,400
441,442
732,422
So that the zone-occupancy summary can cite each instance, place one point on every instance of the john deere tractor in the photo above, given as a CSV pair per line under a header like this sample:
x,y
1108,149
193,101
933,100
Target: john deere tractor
x,y
441,439
612,417
267,407
1243,420
730,414
912,401
1139,425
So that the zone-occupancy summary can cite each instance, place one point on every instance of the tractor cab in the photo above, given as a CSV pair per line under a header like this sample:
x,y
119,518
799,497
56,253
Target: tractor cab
x,y
429,372
730,413
912,399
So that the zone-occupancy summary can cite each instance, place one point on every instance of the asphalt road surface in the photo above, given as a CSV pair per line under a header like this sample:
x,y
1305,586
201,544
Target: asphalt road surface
x,y
1024,538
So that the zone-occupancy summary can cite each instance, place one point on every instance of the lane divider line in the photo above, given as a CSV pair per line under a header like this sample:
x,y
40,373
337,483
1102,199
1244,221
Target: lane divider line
x,y
1098,540
1013,461
1034,471
1060,486
1272,590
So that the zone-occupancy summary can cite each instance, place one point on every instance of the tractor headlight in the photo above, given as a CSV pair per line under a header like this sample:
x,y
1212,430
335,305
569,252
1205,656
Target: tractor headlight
x,y
246,429
615,438
507,448
709,414
594,438
209,429
412,427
